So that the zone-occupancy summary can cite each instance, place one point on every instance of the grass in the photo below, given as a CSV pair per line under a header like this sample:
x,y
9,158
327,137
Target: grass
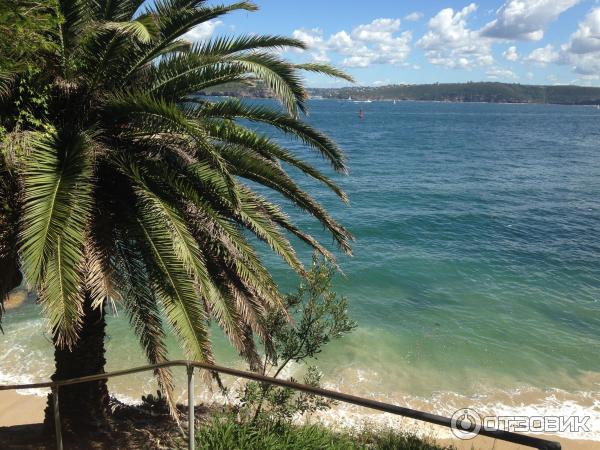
x,y
229,434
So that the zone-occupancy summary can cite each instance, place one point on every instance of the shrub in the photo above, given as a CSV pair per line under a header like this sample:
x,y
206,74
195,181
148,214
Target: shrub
x,y
320,316
227,433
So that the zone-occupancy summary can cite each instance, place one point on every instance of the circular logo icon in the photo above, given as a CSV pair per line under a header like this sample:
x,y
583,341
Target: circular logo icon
x,y
465,423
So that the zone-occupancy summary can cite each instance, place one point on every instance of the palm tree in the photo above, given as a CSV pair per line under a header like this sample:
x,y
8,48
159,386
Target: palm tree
x,y
127,185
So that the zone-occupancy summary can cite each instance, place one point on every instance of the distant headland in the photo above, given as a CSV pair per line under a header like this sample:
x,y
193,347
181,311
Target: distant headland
x,y
486,92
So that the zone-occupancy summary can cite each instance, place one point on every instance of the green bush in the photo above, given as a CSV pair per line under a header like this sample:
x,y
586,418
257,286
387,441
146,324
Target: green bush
x,y
229,434
320,316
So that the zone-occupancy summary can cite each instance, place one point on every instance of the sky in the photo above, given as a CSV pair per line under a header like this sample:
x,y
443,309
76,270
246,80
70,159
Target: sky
x,y
383,42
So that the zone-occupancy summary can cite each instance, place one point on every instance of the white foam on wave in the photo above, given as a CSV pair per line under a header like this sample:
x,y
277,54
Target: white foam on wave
x,y
517,403
20,363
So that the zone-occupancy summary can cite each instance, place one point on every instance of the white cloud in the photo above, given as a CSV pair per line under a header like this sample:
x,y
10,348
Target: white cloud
x,y
449,42
313,38
203,31
414,16
582,51
499,73
587,37
378,42
380,30
544,55
510,54
525,19
340,41
530,75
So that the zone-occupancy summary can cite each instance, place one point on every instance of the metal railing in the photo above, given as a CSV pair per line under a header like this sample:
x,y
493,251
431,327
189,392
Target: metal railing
x,y
521,439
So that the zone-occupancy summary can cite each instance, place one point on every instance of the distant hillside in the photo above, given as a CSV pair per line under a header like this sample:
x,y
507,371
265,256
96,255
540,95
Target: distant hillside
x,y
470,92
442,92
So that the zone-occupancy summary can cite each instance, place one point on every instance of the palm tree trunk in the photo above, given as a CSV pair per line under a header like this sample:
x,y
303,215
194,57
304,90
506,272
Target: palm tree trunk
x,y
85,406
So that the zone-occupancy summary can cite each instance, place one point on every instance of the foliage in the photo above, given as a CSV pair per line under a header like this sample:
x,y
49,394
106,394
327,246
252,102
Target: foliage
x,y
25,27
227,433
320,316
129,186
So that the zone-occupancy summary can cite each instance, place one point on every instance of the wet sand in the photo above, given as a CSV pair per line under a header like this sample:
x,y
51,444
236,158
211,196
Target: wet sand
x,y
15,299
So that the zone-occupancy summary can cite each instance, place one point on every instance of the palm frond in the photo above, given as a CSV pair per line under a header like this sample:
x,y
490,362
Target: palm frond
x,y
148,115
143,29
226,46
176,21
229,132
268,174
171,282
232,109
144,313
278,75
325,69
57,206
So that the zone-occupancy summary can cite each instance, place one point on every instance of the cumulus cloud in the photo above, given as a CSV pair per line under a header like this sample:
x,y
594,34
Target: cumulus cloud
x,y
380,30
203,31
314,40
582,51
544,55
525,19
510,54
378,42
449,42
414,16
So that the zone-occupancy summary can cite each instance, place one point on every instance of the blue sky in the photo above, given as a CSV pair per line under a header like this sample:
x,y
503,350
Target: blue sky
x,y
387,42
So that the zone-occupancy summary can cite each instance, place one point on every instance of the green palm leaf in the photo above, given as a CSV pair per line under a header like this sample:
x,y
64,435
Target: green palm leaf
x,y
232,109
57,206
143,29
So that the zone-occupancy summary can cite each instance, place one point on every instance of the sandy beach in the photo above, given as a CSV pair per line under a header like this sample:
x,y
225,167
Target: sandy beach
x,y
17,409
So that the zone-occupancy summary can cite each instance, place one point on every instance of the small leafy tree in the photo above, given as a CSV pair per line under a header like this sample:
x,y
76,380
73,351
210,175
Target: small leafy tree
x,y
319,317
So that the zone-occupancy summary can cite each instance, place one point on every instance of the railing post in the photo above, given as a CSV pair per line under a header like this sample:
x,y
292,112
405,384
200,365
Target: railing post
x,y
57,427
191,412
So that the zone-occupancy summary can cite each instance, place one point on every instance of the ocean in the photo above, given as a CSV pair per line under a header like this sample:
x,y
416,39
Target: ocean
x,y
475,279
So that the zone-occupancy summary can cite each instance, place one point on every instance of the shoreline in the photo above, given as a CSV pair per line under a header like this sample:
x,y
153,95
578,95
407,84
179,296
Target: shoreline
x,y
399,100
24,409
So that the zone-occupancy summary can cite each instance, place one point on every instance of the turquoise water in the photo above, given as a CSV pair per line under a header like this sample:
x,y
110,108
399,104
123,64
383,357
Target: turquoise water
x,y
476,270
